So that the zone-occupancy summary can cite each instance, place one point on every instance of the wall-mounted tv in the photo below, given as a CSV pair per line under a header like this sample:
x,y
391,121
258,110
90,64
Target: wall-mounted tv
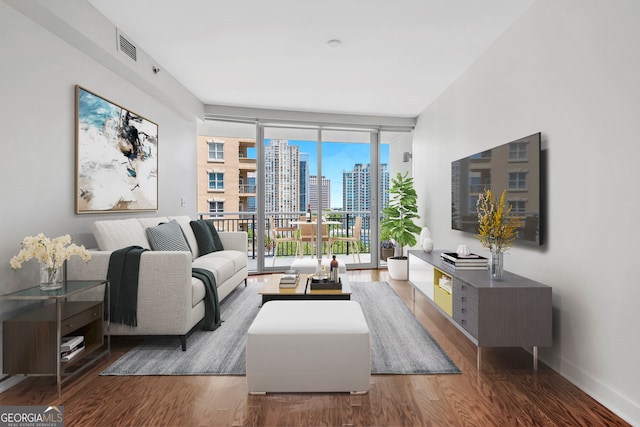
x,y
516,167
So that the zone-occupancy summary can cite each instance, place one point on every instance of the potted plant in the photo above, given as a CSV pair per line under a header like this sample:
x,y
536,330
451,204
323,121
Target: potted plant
x,y
397,222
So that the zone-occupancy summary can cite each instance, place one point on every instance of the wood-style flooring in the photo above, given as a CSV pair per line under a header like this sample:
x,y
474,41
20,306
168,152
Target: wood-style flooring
x,y
505,392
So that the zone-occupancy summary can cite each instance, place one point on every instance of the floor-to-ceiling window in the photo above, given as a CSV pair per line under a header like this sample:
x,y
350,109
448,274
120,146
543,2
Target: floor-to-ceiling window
x,y
261,177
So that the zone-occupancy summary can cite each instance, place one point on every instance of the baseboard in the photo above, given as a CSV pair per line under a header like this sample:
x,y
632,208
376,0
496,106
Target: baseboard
x,y
621,405
8,381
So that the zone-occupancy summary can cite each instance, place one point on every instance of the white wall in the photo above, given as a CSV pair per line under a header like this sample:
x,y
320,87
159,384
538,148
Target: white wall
x,y
37,141
400,144
570,70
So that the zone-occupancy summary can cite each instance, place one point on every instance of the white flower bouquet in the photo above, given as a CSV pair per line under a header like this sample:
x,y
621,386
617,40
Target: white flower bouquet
x,y
50,252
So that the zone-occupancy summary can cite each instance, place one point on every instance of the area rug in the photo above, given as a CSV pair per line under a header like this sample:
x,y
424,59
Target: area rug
x,y
399,343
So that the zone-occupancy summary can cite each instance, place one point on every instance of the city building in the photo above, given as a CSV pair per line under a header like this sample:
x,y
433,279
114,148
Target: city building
x,y
282,177
356,187
226,176
313,192
304,180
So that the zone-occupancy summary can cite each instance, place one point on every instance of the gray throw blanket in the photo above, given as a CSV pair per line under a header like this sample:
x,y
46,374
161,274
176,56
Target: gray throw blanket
x,y
123,273
211,303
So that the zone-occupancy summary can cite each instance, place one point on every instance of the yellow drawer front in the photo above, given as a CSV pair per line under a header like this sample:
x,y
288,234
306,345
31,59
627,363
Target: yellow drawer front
x,y
444,299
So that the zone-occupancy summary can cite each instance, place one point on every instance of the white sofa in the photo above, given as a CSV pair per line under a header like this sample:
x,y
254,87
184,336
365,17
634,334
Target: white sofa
x,y
170,301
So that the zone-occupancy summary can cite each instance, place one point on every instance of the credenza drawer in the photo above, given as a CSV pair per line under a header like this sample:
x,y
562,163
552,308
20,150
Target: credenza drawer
x,y
470,324
465,306
464,292
466,315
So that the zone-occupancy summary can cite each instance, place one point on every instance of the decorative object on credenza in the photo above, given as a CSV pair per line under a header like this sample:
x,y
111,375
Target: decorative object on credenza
x,y
116,157
425,240
51,253
497,229
427,244
463,250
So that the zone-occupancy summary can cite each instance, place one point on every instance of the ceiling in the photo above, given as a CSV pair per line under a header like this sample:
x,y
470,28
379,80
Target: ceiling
x,y
394,59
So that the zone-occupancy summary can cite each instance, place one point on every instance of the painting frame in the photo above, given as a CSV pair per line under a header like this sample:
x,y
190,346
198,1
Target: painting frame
x,y
116,157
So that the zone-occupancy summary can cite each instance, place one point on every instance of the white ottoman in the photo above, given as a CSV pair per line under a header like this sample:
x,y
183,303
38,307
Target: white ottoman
x,y
309,346
308,266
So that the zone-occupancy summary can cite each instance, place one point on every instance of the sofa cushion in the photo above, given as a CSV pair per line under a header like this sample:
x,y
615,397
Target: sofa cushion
x,y
239,259
167,237
184,220
119,233
221,267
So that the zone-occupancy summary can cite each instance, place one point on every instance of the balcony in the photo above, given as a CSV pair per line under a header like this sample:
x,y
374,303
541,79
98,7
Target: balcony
x,y
247,190
248,221
247,164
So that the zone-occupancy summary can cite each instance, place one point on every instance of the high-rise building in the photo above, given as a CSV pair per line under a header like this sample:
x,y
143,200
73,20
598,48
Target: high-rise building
x,y
282,177
304,180
313,192
384,185
356,189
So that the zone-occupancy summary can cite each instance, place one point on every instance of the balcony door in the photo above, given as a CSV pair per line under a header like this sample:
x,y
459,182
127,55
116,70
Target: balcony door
x,y
334,174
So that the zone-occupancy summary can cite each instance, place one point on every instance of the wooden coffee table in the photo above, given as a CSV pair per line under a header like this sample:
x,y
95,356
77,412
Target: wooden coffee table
x,y
272,290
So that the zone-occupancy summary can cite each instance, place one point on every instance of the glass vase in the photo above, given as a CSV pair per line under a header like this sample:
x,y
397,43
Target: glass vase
x,y
50,277
496,267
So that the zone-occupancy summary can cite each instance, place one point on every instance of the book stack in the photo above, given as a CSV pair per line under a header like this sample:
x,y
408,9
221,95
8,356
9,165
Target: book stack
x,y
70,347
289,279
464,262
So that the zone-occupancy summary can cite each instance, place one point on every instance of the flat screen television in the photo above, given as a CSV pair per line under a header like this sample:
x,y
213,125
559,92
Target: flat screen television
x,y
516,167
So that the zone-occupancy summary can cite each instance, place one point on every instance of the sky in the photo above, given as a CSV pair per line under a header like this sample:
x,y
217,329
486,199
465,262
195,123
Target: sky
x,y
336,158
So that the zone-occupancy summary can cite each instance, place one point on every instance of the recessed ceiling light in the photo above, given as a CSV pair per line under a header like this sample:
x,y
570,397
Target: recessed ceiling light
x,y
334,43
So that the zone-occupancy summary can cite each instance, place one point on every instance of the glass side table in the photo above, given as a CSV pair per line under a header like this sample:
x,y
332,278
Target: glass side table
x,y
32,339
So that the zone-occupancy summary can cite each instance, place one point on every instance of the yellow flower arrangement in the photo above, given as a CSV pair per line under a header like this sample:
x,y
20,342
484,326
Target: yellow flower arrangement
x,y
497,226
51,252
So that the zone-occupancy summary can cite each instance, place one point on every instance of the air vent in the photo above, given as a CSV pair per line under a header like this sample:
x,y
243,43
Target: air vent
x,y
126,47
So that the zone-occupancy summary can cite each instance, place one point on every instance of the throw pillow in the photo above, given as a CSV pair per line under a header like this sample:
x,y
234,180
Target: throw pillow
x,y
204,237
217,243
167,236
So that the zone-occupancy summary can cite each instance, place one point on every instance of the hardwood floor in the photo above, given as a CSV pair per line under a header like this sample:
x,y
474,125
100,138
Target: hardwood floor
x,y
505,392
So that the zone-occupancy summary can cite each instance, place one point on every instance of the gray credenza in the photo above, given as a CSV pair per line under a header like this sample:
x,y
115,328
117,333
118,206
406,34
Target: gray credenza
x,y
515,312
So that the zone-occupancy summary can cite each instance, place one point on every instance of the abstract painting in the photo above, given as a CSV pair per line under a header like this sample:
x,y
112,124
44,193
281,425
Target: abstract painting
x,y
116,157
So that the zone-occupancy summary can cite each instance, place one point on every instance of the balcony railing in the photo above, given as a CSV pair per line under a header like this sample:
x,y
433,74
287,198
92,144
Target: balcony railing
x,y
246,188
248,221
